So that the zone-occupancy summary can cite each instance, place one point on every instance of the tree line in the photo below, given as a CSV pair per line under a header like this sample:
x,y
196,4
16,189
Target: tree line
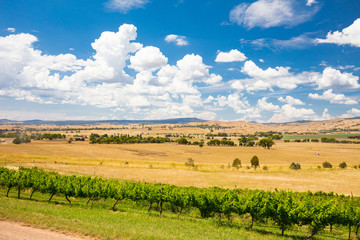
x,y
284,208
125,138
49,136
325,140
24,138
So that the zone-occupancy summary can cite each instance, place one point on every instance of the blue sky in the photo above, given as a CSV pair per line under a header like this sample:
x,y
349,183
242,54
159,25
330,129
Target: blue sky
x,y
259,60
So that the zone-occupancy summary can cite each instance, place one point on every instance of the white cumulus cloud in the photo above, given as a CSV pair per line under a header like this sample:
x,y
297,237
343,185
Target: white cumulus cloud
x,y
348,36
268,78
233,56
148,59
354,112
103,80
192,68
238,85
291,101
238,103
290,113
333,78
333,98
264,105
177,39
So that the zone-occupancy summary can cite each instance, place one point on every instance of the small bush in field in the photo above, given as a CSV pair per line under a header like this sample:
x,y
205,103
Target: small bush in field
x,y
295,166
342,165
326,165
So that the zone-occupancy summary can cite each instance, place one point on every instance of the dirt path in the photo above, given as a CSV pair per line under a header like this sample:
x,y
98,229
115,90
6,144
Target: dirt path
x,y
15,231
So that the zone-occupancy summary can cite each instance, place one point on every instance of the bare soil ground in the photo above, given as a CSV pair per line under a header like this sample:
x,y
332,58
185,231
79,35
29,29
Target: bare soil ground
x,y
17,231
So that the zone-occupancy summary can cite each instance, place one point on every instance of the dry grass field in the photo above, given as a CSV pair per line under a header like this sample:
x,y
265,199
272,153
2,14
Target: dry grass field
x,y
166,163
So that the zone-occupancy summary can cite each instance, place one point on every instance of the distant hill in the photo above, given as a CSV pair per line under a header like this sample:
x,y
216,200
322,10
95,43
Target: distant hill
x,y
333,125
6,121
98,122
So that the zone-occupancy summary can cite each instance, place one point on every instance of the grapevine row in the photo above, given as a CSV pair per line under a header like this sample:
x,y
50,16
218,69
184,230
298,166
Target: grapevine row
x,y
284,208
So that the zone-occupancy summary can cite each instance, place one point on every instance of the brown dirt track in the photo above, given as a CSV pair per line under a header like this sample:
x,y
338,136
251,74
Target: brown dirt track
x,y
16,231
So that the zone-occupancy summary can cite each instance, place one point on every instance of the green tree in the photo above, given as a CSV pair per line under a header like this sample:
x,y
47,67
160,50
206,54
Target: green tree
x,y
276,136
255,162
236,163
17,140
266,143
182,141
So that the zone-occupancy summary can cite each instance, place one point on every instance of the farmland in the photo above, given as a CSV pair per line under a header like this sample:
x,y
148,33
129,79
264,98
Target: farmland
x,y
132,153
131,221
318,136
165,162
288,210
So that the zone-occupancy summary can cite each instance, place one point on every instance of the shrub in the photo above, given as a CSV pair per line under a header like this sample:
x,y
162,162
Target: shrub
x,y
182,141
328,140
190,162
286,140
326,165
276,136
17,141
295,166
265,168
314,140
214,142
23,138
342,165
255,162
236,163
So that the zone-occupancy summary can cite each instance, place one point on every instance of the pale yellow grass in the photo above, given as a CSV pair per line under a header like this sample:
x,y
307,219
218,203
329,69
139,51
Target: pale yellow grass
x,y
165,163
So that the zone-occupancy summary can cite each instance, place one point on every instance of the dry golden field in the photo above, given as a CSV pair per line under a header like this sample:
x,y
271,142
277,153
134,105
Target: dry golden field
x,y
166,163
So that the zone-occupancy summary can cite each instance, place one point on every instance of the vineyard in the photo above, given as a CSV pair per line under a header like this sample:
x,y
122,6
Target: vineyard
x,y
285,209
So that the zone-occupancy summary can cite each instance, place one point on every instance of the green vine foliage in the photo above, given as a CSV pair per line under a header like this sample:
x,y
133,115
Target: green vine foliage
x,y
284,208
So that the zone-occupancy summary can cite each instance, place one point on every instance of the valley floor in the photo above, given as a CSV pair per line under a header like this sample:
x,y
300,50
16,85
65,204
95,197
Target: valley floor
x,y
165,163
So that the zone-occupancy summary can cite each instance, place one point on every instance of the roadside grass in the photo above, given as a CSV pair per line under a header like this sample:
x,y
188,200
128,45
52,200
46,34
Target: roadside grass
x,y
132,221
